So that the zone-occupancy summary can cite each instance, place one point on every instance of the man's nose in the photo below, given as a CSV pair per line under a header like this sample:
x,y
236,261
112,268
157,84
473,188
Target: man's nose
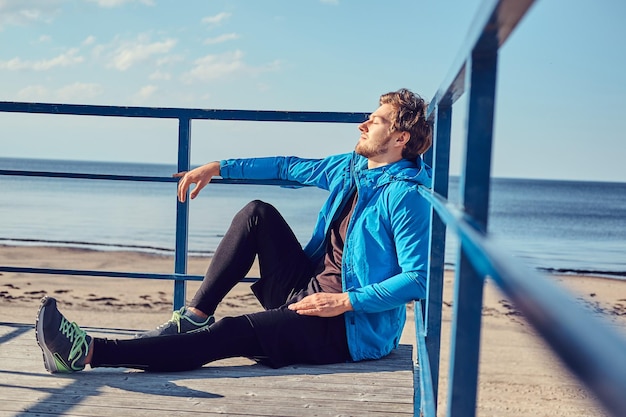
x,y
363,126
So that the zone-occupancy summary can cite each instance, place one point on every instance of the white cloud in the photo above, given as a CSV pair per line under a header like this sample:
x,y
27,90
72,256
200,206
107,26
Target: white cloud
x,y
68,58
77,92
169,60
45,38
89,40
131,53
24,12
27,12
34,93
146,92
217,19
116,3
222,38
212,67
160,75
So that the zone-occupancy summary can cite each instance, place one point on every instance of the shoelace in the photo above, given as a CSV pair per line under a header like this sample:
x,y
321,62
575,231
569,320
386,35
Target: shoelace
x,y
77,336
175,318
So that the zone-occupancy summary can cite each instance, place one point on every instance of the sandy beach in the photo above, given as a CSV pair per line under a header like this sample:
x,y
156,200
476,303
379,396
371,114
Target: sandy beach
x,y
519,376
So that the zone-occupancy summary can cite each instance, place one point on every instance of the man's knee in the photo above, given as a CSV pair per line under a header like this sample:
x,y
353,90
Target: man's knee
x,y
256,209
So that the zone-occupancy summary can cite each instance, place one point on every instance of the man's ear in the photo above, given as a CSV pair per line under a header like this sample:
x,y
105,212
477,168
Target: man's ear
x,y
403,138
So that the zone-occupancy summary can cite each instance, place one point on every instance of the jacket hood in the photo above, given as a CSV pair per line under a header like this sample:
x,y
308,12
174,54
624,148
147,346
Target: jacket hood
x,y
415,171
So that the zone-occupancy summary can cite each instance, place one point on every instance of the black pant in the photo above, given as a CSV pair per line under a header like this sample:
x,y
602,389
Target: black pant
x,y
257,230
276,336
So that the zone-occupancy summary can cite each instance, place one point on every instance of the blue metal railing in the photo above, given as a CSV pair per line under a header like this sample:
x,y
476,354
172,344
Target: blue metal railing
x,y
587,346
184,117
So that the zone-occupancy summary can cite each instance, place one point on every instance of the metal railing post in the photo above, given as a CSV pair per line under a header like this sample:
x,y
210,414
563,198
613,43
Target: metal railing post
x,y
474,187
441,165
182,213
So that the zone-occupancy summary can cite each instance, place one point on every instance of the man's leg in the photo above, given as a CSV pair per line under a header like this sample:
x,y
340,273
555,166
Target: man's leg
x,y
227,338
279,337
67,348
287,337
258,229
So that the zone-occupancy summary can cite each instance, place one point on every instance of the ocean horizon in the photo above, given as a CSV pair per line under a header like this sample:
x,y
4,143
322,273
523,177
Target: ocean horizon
x,y
565,227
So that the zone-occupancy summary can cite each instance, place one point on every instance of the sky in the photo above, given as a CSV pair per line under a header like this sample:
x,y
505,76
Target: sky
x,y
560,88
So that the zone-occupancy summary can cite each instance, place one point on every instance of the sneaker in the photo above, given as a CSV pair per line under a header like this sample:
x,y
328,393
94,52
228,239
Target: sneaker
x,y
64,344
179,323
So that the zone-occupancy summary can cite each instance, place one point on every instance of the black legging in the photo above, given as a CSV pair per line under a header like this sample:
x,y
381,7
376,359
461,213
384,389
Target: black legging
x,y
227,338
258,229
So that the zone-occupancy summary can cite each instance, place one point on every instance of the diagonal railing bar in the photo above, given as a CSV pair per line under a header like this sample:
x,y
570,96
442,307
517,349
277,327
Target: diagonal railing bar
x,y
499,15
590,348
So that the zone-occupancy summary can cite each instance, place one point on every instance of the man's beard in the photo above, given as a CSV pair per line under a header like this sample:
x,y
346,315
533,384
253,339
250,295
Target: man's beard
x,y
370,150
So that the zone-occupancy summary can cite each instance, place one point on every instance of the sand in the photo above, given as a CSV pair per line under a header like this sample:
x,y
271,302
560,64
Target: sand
x,y
519,376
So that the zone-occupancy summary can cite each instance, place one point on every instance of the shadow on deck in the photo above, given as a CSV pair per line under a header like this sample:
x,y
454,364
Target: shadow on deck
x,y
235,387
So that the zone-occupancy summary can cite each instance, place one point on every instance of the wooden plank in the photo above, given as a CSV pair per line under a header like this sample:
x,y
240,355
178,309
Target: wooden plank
x,y
236,387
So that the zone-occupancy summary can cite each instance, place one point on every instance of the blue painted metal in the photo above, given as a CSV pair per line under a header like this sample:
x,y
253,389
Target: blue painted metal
x,y
140,178
108,274
474,187
590,348
184,117
108,177
476,67
441,168
182,113
501,16
182,213
424,398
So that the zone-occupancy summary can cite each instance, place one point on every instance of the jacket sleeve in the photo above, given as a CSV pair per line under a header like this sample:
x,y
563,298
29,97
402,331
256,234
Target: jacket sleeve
x,y
410,223
315,172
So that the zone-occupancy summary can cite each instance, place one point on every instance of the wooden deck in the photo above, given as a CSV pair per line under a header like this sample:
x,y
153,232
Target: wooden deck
x,y
234,387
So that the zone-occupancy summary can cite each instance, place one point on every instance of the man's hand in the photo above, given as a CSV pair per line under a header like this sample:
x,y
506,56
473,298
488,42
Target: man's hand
x,y
323,304
200,176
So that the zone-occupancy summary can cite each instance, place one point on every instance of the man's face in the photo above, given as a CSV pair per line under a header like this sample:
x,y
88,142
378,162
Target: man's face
x,y
375,133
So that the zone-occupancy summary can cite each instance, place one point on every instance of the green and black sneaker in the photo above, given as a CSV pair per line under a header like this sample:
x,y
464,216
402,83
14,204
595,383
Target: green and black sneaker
x,y
178,324
64,344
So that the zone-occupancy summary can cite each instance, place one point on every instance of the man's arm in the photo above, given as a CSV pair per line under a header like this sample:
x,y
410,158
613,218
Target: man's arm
x,y
199,176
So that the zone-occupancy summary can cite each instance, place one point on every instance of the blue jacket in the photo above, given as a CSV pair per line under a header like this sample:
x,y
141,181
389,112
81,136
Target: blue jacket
x,y
385,254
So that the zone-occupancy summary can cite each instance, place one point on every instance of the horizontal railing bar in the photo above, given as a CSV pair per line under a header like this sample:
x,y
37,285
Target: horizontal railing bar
x,y
108,274
116,177
178,113
78,175
586,345
499,15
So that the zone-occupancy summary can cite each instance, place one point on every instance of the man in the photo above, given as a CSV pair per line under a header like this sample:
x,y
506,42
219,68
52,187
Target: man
x,y
341,298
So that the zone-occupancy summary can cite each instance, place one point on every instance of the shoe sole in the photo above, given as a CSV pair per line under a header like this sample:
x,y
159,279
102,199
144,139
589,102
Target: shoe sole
x,y
48,358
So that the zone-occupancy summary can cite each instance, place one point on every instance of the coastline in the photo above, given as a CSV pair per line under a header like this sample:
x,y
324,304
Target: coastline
x,y
519,375
604,294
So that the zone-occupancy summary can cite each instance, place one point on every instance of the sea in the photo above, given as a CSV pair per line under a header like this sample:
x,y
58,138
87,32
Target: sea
x,y
565,227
